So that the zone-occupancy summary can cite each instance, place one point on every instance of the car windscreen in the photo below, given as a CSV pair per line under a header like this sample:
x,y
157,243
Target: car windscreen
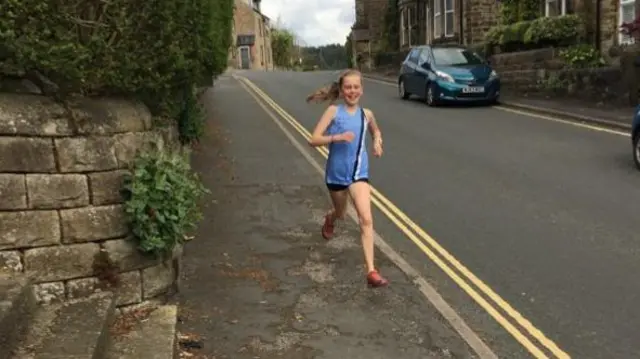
x,y
456,57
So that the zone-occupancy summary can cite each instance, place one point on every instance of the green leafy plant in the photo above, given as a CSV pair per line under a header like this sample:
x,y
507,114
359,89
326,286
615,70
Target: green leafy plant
x,y
514,33
162,200
555,31
582,56
493,36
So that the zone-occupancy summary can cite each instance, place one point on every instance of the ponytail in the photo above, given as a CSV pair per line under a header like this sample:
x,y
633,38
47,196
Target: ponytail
x,y
332,91
326,93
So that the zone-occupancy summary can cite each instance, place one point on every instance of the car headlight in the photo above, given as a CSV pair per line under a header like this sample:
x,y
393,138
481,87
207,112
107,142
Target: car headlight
x,y
444,77
494,74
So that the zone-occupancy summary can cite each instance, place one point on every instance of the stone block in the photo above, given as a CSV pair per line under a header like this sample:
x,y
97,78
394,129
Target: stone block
x,y
127,145
22,154
83,287
47,293
10,261
109,116
157,280
29,229
125,255
32,116
57,191
106,187
60,262
130,291
13,192
86,154
93,223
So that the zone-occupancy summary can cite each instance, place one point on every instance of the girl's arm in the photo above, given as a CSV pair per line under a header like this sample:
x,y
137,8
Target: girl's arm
x,y
374,130
318,137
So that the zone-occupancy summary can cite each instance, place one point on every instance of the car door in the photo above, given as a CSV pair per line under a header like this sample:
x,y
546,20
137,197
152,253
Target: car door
x,y
412,64
423,72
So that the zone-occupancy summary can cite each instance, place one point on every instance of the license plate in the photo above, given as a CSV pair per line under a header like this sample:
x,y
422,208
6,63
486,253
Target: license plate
x,y
473,89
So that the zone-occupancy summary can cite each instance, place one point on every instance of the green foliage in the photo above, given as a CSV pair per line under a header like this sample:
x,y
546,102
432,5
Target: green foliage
x,y
282,46
162,200
582,56
560,30
539,33
149,49
512,11
327,57
392,27
191,120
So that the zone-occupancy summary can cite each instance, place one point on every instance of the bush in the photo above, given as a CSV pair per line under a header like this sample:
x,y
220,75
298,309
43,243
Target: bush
x,y
582,56
162,201
555,31
150,49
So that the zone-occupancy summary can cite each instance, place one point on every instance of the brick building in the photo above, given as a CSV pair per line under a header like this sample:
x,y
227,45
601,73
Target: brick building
x,y
251,33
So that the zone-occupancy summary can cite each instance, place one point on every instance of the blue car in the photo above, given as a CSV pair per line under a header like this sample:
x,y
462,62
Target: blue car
x,y
448,74
635,137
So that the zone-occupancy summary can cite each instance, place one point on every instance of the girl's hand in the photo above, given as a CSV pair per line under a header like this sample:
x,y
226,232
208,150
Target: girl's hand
x,y
344,137
377,147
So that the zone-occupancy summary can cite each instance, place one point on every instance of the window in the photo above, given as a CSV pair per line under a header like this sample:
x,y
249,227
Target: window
x,y
437,18
455,57
555,7
414,55
448,18
627,14
424,57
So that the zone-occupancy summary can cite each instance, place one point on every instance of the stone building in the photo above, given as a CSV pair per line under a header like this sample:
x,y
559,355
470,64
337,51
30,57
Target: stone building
x,y
467,21
251,33
367,33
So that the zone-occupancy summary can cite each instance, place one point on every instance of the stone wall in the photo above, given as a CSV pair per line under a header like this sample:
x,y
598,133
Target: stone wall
x,y
479,17
526,60
61,212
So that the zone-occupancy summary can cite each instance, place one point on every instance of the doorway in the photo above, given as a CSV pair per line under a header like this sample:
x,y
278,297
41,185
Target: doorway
x,y
245,58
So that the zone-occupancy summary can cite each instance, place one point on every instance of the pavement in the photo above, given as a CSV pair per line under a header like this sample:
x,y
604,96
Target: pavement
x,y
541,212
575,110
258,280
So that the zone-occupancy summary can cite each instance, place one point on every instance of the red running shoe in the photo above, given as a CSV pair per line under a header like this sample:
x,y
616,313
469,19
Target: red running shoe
x,y
327,227
376,280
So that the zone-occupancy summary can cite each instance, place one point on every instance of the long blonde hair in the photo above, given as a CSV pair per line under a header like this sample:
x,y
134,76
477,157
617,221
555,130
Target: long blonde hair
x,y
331,92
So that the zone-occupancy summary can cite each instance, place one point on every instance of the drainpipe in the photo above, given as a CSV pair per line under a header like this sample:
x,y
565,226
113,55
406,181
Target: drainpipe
x,y
461,21
598,34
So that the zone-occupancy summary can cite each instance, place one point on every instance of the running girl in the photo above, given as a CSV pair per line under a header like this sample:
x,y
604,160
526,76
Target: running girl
x,y
343,127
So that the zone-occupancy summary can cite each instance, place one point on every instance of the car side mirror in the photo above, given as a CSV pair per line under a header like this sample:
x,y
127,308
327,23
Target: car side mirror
x,y
426,66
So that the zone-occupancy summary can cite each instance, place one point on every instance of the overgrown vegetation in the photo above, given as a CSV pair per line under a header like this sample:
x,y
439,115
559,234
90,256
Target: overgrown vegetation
x,y
539,33
162,198
153,50
282,47
582,56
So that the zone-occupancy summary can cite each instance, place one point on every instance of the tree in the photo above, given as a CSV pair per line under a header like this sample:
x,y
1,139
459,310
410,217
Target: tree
x,y
282,46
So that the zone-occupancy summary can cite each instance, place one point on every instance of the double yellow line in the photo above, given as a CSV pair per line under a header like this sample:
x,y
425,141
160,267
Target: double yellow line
x,y
443,259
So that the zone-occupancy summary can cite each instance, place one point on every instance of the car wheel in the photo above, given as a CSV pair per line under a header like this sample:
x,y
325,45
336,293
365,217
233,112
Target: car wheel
x,y
636,150
402,91
430,96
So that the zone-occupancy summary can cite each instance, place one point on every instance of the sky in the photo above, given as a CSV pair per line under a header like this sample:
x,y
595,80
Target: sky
x,y
316,22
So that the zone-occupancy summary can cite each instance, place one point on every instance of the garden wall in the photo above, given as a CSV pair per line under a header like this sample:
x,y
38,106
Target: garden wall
x,y
61,215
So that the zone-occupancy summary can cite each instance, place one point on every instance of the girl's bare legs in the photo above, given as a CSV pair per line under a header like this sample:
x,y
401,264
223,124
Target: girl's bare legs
x,y
361,195
339,199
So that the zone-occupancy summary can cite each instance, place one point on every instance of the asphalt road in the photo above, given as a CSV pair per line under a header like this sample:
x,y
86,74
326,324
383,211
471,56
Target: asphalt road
x,y
543,212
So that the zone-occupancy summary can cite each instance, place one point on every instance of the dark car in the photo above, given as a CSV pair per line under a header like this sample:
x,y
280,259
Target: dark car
x,y
635,137
448,74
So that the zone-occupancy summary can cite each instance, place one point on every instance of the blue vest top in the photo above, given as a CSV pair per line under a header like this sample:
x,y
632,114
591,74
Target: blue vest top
x,y
347,162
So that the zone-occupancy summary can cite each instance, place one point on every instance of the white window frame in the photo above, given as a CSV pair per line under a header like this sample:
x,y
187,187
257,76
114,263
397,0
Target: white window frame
x,y
448,11
428,29
437,13
402,27
622,39
563,7
409,26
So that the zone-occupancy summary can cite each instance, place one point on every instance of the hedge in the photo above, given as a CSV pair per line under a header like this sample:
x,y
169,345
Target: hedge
x,y
156,50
